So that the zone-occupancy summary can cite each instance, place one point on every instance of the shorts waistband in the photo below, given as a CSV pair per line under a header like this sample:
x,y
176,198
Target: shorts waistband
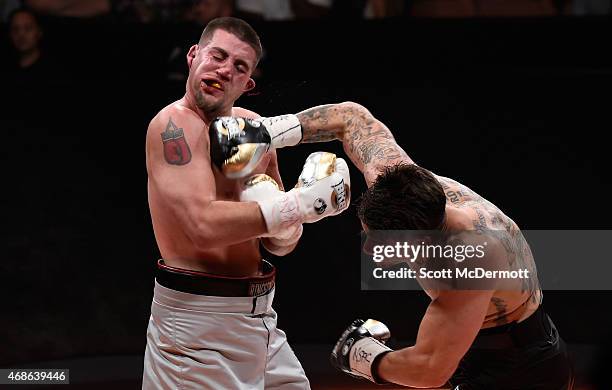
x,y
178,300
202,283
536,328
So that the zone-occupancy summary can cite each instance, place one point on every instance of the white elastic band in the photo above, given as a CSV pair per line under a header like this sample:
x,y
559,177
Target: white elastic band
x,y
280,213
362,355
285,130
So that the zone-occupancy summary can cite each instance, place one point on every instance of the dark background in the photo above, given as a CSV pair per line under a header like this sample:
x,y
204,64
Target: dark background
x,y
517,109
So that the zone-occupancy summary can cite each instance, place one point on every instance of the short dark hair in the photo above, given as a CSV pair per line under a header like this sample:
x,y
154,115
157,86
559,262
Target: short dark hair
x,y
403,197
238,27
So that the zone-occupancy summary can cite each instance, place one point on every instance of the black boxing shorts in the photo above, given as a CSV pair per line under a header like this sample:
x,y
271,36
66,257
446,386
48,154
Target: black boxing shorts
x,y
529,355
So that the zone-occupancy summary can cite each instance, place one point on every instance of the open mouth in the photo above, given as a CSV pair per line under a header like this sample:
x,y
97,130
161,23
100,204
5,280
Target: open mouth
x,y
212,84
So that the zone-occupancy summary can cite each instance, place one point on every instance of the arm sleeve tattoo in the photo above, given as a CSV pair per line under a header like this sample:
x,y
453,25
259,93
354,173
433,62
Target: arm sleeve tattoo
x,y
367,141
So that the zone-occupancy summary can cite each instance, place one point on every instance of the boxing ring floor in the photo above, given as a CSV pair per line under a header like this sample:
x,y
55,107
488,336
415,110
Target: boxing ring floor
x,y
124,372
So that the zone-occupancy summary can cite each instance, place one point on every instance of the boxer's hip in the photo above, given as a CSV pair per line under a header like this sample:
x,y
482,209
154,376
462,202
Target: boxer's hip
x,y
526,355
199,291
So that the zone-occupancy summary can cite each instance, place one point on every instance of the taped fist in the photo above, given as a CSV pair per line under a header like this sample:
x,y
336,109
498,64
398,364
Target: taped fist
x,y
237,144
259,188
360,348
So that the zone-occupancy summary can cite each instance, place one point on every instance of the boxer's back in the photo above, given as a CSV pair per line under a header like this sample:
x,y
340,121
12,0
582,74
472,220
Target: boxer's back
x,y
170,184
505,306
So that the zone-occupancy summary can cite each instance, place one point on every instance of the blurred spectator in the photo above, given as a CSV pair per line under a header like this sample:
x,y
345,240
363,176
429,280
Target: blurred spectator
x,y
203,11
6,7
378,9
591,7
29,76
279,10
442,8
26,33
348,9
133,11
515,8
152,11
70,8
310,9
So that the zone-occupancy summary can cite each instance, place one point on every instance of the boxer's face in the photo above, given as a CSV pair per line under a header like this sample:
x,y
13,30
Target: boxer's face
x,y
25,33
220,71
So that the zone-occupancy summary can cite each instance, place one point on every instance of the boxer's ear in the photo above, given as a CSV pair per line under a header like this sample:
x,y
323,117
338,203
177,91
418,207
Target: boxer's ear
x,y
249,85
192,53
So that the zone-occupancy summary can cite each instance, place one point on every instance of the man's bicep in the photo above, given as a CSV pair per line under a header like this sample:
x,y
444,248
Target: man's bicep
x,y
179,186
180,169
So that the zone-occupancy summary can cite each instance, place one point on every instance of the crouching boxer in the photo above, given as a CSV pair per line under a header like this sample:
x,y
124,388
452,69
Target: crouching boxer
x,y
479,339
212,325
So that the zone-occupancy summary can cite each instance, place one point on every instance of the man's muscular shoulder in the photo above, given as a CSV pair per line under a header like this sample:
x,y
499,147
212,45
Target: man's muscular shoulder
x,y
174,135
175,112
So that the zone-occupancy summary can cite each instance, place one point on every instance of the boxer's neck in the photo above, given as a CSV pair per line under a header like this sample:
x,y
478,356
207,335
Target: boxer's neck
x,y
207,116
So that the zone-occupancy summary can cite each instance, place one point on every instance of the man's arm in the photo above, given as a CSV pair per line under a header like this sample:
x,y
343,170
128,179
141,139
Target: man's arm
x,y
181,179
446,332
366,140
269,243
274,173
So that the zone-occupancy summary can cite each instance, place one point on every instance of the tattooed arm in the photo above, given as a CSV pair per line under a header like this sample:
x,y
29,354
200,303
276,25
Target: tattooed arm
x,y
182,188
366,140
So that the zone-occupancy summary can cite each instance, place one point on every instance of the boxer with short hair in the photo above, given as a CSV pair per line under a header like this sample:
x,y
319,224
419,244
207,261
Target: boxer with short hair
x,y
212,325
472,339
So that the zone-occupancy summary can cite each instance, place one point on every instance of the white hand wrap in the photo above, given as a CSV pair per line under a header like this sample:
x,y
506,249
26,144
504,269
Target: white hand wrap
x,y
362,355
280,210
285,130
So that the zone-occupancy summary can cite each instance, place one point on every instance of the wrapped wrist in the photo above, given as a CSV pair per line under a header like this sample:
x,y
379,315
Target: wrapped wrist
x,y
280,213
284,130
365,357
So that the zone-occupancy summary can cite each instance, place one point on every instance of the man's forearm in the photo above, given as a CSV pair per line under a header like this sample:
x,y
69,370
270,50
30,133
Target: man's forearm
x,y
224,223
446,332
366,140
324,123
276,249
409,367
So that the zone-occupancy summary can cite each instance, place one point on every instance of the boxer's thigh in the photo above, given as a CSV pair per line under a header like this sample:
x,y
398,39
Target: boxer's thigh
x,y
198,350
283,371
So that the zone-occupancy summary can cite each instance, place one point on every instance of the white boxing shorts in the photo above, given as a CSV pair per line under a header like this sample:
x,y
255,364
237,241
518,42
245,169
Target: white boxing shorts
x,y
197,340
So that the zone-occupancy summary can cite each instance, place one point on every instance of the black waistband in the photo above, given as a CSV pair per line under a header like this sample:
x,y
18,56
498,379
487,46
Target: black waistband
x,y
202,283
536,328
